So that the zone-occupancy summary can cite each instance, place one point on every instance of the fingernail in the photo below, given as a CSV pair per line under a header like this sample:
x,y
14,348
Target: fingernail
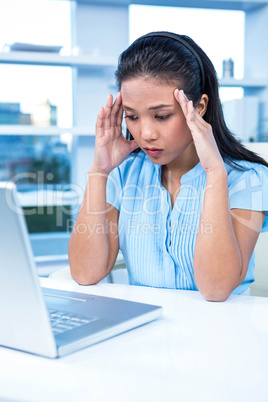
x,y
183,94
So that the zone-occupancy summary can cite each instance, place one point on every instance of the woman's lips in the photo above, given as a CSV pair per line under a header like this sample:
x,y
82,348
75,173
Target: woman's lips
x,y
153,151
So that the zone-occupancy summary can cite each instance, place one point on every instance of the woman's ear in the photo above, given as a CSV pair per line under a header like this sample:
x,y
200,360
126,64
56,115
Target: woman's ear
x,y
202,105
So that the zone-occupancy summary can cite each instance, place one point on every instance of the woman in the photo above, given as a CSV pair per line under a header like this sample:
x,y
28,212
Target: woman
x,y
185,201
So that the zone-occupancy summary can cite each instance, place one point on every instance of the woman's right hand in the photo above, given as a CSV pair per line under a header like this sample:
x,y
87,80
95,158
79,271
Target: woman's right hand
x,y
111,147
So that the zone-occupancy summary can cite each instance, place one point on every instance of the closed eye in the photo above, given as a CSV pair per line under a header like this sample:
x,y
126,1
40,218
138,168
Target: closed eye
x,y
131,117
164,117
159,117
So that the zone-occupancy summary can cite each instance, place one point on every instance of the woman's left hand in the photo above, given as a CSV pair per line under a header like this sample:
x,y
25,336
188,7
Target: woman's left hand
x,y
203,138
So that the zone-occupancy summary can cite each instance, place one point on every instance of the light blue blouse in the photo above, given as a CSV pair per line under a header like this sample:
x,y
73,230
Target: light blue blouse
x,y
157,241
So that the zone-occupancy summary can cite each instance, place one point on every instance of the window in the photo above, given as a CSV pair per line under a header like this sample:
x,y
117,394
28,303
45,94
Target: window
x,y
33,101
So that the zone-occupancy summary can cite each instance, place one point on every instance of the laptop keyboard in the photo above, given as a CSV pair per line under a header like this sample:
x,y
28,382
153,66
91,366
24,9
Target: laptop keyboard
x,y
61,321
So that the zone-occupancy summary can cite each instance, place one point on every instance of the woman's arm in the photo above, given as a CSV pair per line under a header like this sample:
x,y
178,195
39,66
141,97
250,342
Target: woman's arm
x,y
221,254
93,245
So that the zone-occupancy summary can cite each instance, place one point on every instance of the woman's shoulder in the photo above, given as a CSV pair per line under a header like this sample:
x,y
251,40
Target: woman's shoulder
x,y
248,187
244,169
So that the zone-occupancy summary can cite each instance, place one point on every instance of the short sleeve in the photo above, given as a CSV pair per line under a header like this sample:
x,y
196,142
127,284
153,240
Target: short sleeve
x,y
248,189
114,189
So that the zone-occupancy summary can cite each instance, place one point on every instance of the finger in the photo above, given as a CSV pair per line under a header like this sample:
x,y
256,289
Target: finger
x,y
108,111
115,110
186,105
182,100
120,115
99,122
120,110
194,118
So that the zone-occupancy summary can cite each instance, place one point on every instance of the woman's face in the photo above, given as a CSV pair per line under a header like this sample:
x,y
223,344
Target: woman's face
x,y
155,119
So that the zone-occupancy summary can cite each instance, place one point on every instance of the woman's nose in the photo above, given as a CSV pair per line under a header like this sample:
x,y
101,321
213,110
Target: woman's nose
x,y
148,132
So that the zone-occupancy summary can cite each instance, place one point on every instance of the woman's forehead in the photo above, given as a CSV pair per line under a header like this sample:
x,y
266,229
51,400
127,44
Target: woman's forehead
x,y
139,93
144,85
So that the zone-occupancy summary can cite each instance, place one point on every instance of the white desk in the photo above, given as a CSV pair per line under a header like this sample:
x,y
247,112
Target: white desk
x,y
198,351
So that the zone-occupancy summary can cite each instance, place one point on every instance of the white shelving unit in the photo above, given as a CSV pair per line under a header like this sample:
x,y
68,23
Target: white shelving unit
x,y
103,24
10,129
92,72
245,5
50,59
244,83
87,64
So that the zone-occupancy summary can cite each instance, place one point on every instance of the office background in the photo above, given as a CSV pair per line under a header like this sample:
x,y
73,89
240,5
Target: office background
x,y
57,62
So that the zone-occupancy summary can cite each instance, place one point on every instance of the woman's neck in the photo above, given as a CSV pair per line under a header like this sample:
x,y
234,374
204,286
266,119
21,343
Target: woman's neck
x,y
173,171
182,164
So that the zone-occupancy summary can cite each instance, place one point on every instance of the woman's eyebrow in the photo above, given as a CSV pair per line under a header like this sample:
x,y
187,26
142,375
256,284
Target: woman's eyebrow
x,y
159,107
150,108
127,108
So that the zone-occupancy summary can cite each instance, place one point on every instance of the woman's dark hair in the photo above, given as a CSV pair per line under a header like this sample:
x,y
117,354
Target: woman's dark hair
x,y
177,58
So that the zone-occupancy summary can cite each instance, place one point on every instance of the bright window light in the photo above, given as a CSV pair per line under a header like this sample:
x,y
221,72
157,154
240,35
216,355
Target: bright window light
x,y
220,33
38,22
35,21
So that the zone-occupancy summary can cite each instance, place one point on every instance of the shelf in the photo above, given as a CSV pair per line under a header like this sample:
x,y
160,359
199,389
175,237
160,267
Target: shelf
x,y
50,130
46,198
245,5
51,59
93,63
245,83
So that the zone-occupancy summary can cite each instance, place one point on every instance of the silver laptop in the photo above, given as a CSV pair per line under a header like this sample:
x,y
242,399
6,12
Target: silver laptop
x,y
49,322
